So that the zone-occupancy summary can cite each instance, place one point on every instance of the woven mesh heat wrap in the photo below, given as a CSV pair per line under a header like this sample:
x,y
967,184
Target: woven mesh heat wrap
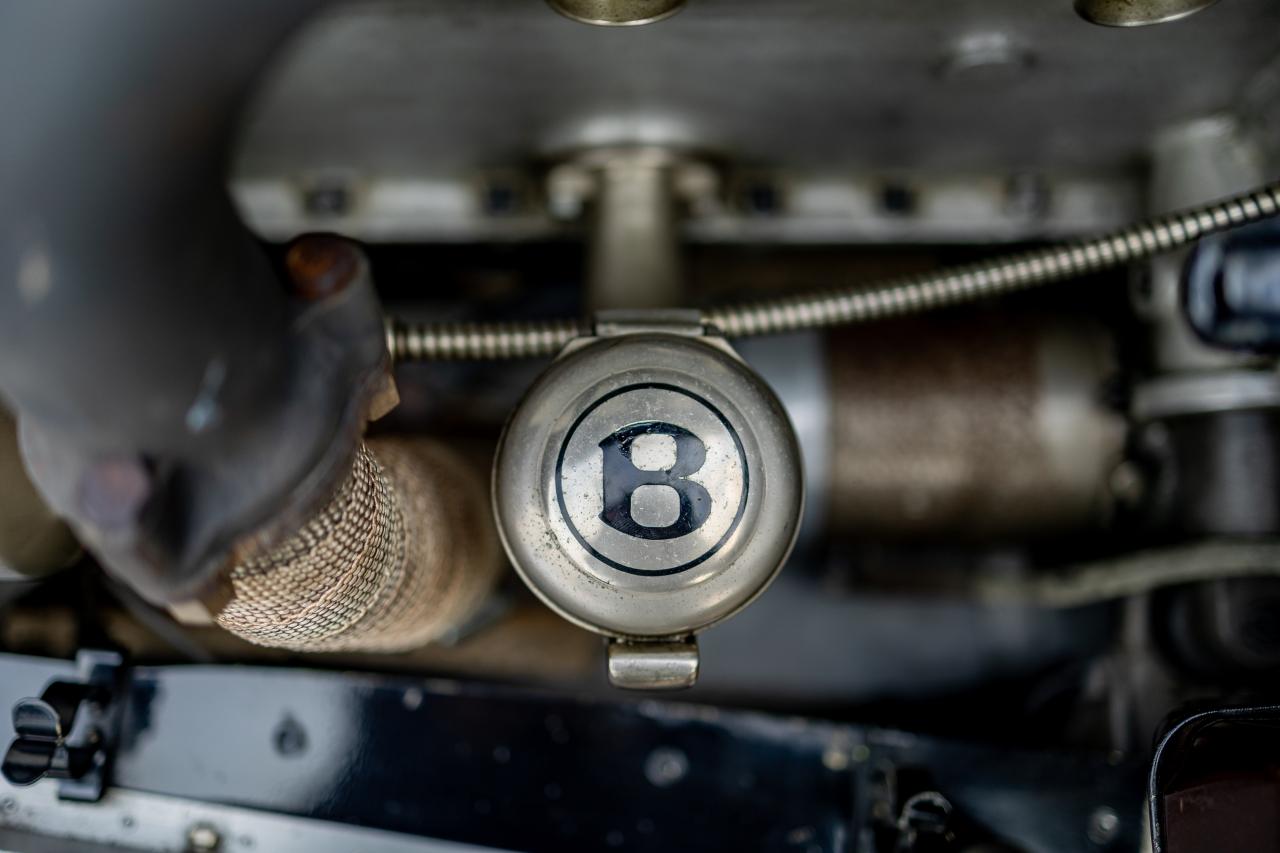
x,y
403,553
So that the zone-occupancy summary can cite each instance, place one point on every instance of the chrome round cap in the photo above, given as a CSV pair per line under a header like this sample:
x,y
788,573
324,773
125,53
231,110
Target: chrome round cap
x,y
649,485
617,13
1138,13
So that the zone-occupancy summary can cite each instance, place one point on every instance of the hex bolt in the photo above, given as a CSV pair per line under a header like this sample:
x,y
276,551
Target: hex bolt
x,y
926,813
1104,826
203,838
290,738
328,198
665,767
321,265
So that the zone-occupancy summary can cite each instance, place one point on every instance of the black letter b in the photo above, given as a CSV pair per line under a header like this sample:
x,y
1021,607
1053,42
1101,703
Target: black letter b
x,y
622,478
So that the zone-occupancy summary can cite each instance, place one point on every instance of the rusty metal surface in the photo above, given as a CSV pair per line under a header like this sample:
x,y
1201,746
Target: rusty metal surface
x,y
321,265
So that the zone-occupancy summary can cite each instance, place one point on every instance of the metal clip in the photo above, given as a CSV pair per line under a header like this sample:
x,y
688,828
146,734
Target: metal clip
x,y
661,665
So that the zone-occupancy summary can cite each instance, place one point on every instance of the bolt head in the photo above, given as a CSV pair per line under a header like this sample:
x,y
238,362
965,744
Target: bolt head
x,y
203,838
321,265
1104,826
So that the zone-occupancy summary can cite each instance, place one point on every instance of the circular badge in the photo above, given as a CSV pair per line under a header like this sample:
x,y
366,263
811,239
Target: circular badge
x,y
648,485
652,479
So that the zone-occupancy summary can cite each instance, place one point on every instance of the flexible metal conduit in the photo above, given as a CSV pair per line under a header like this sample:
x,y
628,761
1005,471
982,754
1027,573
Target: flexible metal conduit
x,y
893,298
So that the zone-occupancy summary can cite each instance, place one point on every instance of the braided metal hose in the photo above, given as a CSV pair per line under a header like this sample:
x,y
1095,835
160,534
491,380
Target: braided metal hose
x,y
402,554
896,297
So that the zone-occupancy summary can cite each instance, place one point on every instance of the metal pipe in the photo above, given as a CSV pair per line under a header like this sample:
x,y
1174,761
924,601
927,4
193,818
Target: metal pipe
x,y
152,355
113,159
403,553
894,298
634,246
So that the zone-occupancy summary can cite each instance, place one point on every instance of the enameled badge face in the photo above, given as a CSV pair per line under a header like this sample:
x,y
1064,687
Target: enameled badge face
x,y
648,485
651,479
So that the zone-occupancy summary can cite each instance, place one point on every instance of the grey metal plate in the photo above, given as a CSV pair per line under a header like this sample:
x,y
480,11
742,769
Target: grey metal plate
x,y
439,87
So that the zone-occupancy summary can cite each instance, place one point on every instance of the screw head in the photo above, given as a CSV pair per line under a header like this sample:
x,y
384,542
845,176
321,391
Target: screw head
x,y
203,838
1104,826
290,738
665,767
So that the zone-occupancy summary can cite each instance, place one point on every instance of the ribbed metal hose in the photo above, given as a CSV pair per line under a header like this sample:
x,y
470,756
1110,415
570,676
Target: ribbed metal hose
x,y
480,341
403,553
893,298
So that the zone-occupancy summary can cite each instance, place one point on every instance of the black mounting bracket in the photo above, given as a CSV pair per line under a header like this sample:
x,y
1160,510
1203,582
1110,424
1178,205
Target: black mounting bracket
x,y
70,732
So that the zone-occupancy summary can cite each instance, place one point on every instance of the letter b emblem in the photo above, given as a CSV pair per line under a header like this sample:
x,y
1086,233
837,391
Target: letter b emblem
x,y
622,478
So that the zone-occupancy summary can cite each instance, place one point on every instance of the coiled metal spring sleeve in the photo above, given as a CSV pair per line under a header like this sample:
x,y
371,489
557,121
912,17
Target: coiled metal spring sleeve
x,y
896,297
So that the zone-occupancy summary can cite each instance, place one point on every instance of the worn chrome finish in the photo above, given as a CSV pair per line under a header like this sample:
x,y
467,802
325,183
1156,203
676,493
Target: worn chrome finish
x,y
617,13
634,243
634,248
894,298
662,321
649,485
636,197
653,666
1138,13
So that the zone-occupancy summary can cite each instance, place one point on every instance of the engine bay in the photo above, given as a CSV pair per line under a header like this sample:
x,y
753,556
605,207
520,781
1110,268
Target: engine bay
x,y
447,425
